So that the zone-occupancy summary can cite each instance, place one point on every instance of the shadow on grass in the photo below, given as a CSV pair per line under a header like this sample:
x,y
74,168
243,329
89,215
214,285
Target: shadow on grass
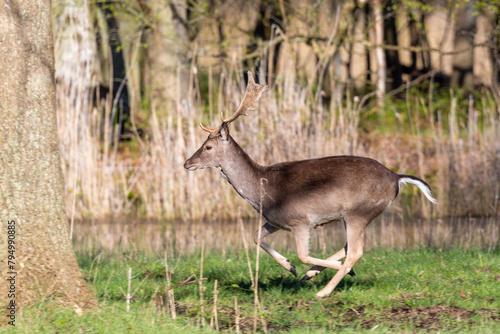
x,y
290,284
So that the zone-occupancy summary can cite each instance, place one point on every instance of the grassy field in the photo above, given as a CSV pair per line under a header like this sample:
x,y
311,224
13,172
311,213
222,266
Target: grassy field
x,y
428,290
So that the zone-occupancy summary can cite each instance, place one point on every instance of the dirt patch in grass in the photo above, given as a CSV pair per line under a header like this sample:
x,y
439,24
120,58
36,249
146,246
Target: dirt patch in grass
x,y
429,318
424,318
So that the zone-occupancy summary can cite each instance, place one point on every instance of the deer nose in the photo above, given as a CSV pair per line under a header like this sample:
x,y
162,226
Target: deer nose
x,y
189,165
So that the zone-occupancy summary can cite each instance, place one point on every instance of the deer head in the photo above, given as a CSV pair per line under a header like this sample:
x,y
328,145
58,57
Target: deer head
x,y
216,147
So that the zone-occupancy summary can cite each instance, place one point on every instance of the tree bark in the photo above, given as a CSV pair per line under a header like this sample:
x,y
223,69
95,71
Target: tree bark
x,y
167,74
483,65
43,262
379,51
119,89
391,38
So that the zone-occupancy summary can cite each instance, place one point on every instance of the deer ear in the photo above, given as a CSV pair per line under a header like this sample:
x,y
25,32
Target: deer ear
x,y
224,132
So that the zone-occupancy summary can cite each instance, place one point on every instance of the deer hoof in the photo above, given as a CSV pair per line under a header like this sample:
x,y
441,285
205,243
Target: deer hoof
x,y
310,274
321,294
351,272
293,270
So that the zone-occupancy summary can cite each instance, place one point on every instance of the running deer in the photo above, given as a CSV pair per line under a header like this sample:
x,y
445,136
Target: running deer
x,y
302,195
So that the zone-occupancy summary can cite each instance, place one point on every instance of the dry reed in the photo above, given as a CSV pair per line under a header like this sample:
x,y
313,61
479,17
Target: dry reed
x,y
129,296
201,287
170,291
245,246
215,319
236,315
460,157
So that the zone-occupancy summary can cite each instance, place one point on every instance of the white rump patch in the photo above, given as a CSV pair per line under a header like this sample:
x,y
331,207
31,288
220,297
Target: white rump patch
x,y
422,186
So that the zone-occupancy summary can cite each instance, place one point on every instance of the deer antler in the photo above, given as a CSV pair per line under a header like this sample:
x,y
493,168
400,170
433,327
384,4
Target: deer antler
x,y
252,94
204,128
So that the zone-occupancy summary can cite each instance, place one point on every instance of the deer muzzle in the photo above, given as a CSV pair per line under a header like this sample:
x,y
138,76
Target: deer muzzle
x,y
191,165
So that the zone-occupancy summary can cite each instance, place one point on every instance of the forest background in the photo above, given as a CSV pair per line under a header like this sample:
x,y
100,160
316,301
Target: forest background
x,y
412,84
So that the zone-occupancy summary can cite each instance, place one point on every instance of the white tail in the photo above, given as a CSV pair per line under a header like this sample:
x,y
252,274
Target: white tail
x,y
424,187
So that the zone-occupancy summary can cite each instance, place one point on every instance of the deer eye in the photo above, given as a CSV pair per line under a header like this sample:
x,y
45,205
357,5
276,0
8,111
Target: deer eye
x,y
208,147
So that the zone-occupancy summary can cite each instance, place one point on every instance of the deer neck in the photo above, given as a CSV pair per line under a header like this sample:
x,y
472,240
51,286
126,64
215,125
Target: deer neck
x,y
243,174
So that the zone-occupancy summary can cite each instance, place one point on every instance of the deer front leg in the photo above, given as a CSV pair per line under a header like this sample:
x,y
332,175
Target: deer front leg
x,y
268,229
315,270
301,235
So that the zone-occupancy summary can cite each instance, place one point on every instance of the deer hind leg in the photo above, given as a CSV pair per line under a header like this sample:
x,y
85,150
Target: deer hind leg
x,y
268,229
355,232
302,241
315,270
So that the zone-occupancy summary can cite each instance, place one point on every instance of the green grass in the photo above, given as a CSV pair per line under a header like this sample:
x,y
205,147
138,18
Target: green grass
x,y
453,291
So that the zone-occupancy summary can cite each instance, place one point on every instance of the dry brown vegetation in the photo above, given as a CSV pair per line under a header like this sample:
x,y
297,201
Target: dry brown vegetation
x,y
454,146
457,150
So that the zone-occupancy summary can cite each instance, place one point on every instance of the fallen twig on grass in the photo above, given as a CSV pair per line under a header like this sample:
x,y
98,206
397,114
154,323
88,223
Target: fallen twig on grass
x,y
186,282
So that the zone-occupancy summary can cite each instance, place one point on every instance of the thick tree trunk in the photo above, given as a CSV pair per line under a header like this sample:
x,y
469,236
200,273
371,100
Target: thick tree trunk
x,y
168,59
483,66
119,89
391,38
42,260
379,51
